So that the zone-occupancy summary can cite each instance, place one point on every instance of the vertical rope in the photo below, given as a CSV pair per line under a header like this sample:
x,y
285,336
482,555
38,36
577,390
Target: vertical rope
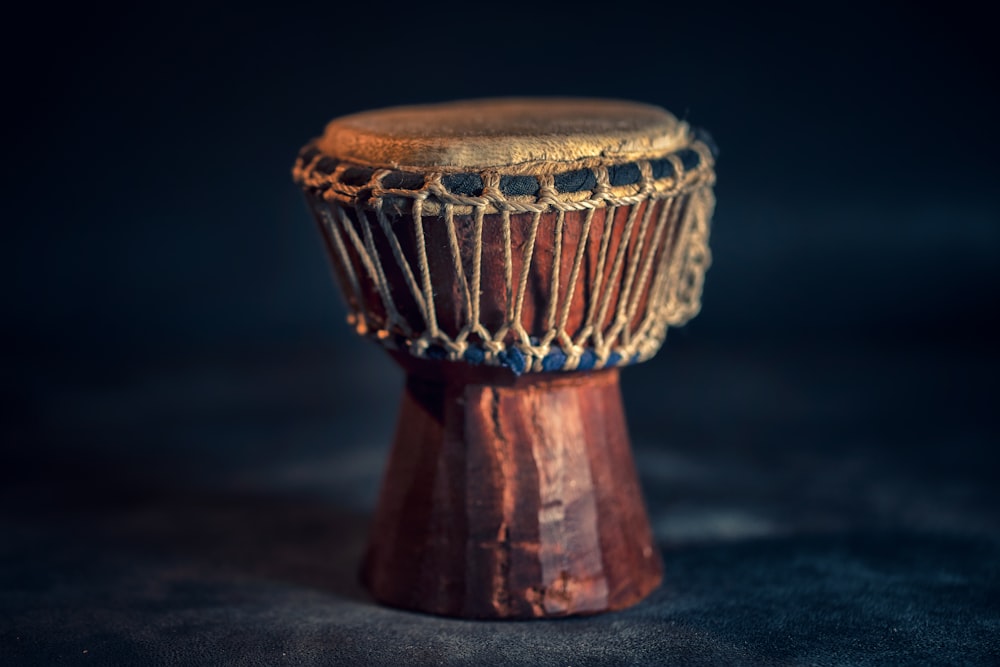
x,y
572,351
404,266
477,272
550,319
603,345
347,265
589,328
679,261
425,272
456,258
659,298
359,248
623,296
384,289
522,285
647,264
508,268
698,255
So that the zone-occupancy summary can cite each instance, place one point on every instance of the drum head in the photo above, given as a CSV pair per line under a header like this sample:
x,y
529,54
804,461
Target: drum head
x,y
537,134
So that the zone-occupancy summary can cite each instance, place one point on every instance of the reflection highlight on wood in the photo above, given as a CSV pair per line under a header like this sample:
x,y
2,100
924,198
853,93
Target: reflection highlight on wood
x,y
511,498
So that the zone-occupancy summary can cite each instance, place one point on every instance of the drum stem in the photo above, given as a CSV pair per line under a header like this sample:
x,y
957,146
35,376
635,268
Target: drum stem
x,y
513,498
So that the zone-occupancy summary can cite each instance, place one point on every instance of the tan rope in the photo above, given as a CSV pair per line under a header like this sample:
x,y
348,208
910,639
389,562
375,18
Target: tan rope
x,y
360,319
404,266
660,295
604,341
573,351
590,326
477,272
352,235
618,326
661,225
522,283
667,263
456,258
437,195
425,274
550,318
508,270
384,289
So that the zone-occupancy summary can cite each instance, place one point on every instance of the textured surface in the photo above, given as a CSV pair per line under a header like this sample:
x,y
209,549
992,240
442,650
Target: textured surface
x,y
813,506
511,499
503,132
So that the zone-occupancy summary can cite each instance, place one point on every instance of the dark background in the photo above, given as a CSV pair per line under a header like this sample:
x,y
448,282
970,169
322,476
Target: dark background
x,y
192,438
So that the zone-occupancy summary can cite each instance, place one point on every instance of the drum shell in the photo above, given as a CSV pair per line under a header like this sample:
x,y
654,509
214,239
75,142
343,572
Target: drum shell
x,y
592,298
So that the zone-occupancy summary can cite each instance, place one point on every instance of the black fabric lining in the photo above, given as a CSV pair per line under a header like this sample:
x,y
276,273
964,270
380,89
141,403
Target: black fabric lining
x,y
624,174
514,186
403,180
356,176
575,181
689,158
325,165
470,185
662,168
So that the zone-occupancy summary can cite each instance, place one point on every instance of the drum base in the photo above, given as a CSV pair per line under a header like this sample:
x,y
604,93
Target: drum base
x,y
511,498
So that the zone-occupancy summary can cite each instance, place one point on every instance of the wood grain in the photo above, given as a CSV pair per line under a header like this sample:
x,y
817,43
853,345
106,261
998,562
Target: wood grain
x,y
510,497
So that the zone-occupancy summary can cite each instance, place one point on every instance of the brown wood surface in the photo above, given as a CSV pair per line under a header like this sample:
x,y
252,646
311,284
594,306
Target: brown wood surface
x,y
510,497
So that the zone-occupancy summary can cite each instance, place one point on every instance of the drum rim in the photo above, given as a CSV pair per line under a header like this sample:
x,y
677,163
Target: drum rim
x,y
530,135
595,186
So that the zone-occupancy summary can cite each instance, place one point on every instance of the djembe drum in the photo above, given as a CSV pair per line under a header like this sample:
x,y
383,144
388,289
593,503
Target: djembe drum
x,y
512,255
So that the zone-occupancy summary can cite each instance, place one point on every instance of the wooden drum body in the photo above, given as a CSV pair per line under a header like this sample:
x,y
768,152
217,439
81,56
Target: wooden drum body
x,y
512,255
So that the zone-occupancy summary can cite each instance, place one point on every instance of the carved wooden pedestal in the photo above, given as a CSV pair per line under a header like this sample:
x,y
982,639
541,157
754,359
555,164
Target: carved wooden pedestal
x,y
510,497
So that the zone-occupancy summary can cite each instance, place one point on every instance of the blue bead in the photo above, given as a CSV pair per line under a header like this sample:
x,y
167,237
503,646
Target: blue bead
x,y
554,360
587,361
613,360
512,359
474,355
436,352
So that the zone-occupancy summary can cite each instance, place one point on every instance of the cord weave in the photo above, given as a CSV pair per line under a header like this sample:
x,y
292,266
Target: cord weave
x,y
668,262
